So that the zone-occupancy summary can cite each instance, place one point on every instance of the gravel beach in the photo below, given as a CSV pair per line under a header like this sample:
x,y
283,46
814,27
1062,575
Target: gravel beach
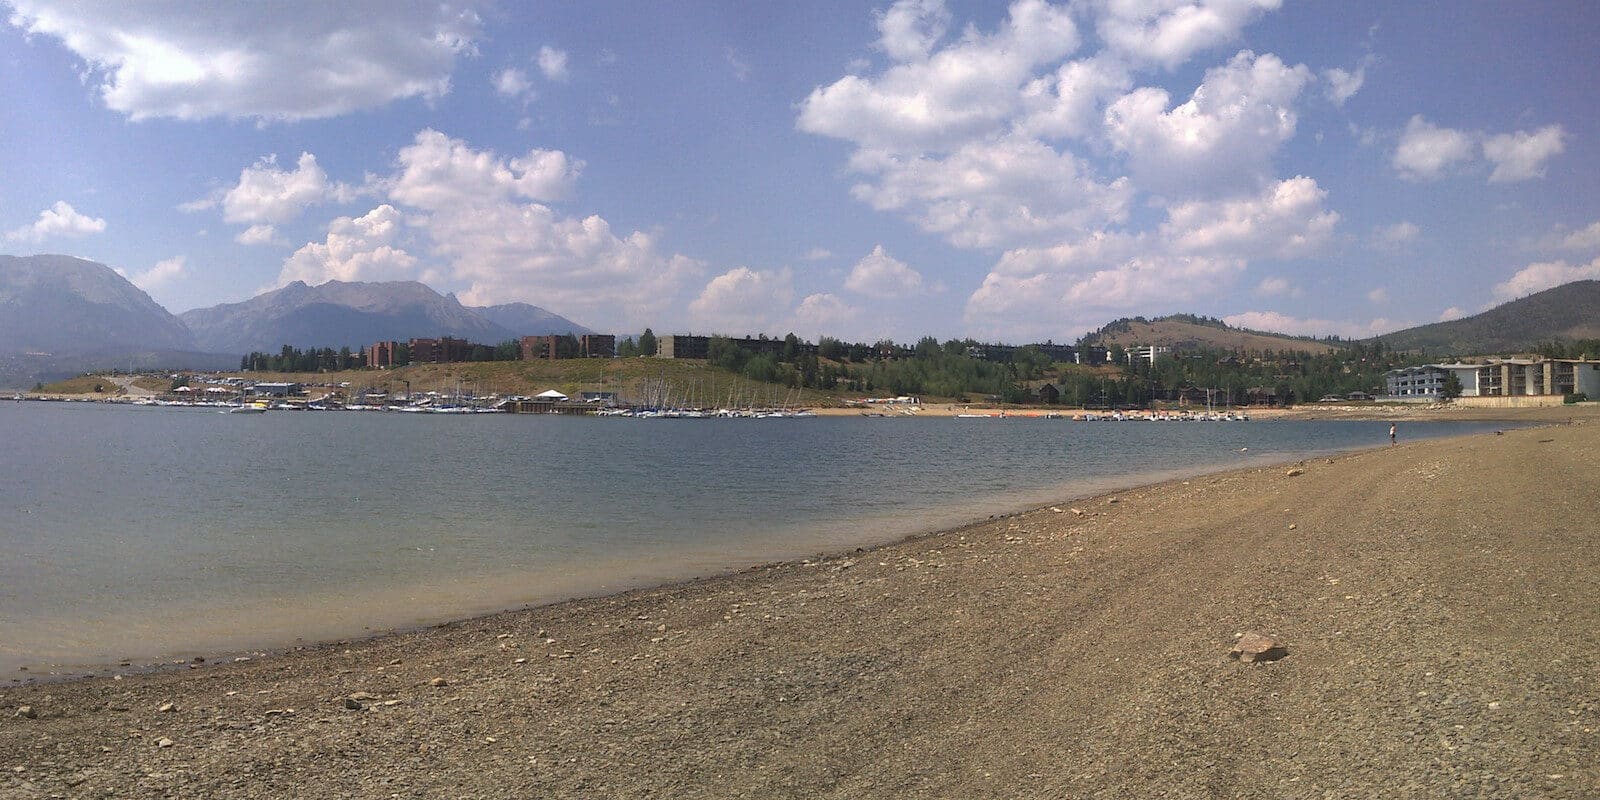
x,y
1439,603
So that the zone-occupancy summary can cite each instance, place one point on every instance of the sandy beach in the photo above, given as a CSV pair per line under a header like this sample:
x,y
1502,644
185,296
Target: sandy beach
x,y
1437,601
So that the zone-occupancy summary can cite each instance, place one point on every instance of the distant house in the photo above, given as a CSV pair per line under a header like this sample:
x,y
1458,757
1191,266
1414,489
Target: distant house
x,y
274,389
1049,394
604,398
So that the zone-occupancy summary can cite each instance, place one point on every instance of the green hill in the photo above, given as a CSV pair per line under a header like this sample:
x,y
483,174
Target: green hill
x,y
1567,312
1188,332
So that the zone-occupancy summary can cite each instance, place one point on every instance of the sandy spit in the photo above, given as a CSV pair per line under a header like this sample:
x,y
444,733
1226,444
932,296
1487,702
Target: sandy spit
x,y
1438,601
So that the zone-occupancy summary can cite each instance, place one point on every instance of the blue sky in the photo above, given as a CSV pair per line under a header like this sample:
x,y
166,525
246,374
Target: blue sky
x,y
865,170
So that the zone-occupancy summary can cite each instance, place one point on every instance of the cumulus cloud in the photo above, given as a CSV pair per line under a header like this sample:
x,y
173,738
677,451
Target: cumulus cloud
x,y
513,83
356,249
962,89
1544,275
1427,152
744,300
909,29
1378,296
825,314
274,61
163,273
1522,155
1169,32
259,234
553,63
1275,322
266,193
1223,138
59,220
1341,84
475,219
441,173
1451,313
881,275
1001,192
818,254
1285,221
1583,239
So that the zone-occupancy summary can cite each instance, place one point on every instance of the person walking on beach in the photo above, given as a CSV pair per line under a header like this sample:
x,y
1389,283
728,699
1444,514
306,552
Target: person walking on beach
x,y
1391,433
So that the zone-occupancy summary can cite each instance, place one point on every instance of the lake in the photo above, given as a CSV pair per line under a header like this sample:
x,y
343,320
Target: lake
x,y
132,533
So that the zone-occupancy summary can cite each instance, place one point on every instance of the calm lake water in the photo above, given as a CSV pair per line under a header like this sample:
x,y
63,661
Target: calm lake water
x,y
147,533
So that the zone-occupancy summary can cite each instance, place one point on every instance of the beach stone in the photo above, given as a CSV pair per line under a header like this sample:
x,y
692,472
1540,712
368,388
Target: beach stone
x,y
1295,472
27,712
438,682
362,696
352,704
164,708
1255,648
164,742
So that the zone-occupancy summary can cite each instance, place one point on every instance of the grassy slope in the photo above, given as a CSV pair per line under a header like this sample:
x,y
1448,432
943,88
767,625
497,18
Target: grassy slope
x,y
1178,333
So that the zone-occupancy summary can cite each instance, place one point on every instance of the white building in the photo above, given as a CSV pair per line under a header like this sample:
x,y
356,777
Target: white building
x,y
1500,377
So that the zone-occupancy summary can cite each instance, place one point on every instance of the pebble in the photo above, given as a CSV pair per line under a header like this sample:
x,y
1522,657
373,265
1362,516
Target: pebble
x,y
1295,472
164,742
438,682
164,708
27,712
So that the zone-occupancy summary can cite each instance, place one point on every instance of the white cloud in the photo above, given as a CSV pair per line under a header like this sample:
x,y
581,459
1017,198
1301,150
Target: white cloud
x,y
513,83
1583,239
553,63
1399,233
1451,313
1067,103
1544,275
744,301
1274,286
266,193
163,273
1522,155
1343,84
1427,152
259,234
59,220
1378,296
195,59
486,229
1274,322
441,173
1169,32
824,314
883,276
909,29
818,254
356,249
966,88
1223,138
987,193
1286,221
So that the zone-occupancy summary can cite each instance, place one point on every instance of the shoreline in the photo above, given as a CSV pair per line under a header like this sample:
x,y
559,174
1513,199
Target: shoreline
x,y
1041,653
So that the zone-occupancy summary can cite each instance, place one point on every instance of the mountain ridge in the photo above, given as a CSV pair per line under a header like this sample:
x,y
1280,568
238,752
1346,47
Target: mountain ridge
x,y
1561,313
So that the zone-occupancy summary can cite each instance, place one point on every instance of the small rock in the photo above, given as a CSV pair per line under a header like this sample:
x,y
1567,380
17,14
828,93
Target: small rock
x,y
1295,472
1255,648
438,682
363,696
353,704
661,628
1292,526
164,742
27,712
164,708
1113,500
1058,510
1077,512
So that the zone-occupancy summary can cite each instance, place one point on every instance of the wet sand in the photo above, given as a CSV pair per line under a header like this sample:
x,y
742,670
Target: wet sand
x,y
1438,601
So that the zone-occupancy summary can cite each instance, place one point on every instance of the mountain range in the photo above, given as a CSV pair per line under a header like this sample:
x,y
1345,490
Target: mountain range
x,y
60,316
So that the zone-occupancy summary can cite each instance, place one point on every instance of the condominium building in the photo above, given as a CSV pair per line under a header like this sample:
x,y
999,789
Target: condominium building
x,y
1499,377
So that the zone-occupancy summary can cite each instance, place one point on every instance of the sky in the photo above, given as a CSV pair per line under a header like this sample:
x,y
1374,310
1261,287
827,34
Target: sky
x,y
1017,173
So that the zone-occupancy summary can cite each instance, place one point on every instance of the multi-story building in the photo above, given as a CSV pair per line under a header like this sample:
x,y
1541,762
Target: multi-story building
x,y
444,350
382,354
1499,377
597,345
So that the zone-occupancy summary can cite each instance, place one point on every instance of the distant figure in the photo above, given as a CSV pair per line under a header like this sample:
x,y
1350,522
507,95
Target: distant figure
x,y
1391,433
